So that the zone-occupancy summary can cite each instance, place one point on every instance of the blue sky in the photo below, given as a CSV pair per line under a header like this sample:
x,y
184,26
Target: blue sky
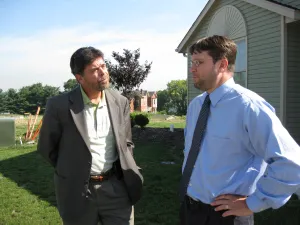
x,y
37,38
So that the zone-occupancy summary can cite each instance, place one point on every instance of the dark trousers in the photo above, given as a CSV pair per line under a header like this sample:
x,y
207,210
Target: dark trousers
x,y
198,213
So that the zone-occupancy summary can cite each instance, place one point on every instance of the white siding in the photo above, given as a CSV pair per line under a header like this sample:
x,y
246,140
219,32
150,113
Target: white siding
x,y
263,28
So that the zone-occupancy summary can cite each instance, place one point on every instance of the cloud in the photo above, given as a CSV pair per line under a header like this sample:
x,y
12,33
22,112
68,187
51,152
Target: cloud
x,y
44,56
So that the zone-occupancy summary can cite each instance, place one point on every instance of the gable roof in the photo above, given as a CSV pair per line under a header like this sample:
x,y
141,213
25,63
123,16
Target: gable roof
x,y
144,92
272,5
151,93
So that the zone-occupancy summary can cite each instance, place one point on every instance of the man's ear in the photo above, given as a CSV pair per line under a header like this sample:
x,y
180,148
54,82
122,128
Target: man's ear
x,y
79,78
223,65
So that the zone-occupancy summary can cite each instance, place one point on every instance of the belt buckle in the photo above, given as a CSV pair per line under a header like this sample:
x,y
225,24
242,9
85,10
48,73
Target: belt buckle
x,y
98,178
101,178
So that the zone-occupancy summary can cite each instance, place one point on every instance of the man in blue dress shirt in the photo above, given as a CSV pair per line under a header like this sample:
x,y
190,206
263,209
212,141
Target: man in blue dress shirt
x,y
247,161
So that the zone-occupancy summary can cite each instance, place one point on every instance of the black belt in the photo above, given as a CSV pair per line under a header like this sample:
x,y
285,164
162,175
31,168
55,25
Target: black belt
x,y
193,204
191,201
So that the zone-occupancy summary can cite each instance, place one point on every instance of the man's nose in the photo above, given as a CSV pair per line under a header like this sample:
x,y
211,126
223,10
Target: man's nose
x,y
193,69
101,71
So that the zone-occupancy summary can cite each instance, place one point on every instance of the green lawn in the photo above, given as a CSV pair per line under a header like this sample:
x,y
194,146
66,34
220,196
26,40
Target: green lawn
x,y
27,195
160,121
166,124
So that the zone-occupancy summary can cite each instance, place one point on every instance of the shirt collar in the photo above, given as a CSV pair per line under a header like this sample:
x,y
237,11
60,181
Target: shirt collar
x,y
87,101
219,92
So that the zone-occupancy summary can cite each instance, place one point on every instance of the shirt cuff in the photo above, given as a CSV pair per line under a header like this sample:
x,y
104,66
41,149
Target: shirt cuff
x,y
255,204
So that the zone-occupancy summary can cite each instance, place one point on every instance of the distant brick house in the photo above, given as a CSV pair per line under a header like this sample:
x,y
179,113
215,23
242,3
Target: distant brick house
x,y
144,101
152,101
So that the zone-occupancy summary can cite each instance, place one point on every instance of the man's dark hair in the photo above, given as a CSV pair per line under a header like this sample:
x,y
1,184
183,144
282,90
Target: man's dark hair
x,y
218,47
83,57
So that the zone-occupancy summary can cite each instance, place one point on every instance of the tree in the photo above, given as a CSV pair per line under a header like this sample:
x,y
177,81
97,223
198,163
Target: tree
x,y
177,94
174,98
35,95
49,91
27,99
162,100
127,74
12,99
3,103
70,84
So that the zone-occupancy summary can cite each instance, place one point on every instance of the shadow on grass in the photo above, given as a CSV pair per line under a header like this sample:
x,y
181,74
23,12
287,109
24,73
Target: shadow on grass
x,y
29,171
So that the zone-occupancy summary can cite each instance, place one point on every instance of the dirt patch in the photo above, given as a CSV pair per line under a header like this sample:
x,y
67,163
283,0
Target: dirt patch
x,y
161,135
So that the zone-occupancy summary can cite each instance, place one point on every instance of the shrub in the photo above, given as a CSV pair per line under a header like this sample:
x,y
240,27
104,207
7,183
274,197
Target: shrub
x,y
141,120
163,112
148,115
132,119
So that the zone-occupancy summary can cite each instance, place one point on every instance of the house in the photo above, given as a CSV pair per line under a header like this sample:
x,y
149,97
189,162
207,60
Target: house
x,y
267,33
141,101
144,101
152,101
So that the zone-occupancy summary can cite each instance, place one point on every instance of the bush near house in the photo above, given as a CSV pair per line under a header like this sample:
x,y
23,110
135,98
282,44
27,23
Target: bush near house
x,y
132,116
141,120
148,115
143,114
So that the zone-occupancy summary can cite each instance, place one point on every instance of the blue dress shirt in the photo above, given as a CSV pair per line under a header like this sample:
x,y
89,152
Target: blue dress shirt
x,y
245,150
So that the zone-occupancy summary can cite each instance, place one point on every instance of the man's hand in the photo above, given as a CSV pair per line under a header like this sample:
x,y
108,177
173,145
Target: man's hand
x,y
235,205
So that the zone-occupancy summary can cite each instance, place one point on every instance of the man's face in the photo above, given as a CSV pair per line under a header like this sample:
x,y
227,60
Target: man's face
x,y
204,71
95,76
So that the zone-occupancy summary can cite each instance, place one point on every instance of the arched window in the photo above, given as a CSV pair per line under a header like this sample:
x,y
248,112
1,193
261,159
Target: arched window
x,y
228,21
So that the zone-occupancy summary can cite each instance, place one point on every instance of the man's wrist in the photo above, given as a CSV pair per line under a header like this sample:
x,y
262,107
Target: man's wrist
x,y
255,204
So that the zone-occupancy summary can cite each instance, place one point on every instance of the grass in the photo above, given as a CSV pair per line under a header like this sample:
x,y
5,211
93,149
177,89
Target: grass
x,y
160,121
156,120
27,195
166,124
27,192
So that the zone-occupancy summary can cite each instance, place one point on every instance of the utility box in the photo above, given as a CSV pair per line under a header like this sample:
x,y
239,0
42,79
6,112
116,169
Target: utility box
x,y
7,132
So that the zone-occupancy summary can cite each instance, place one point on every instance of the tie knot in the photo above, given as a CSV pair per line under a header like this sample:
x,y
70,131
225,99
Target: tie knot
x,y
206,100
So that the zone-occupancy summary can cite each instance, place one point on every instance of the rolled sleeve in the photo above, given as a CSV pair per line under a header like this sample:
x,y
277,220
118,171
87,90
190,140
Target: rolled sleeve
x,y
272,142
255,204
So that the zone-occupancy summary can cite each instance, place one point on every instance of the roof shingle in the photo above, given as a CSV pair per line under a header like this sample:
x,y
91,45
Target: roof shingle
x,y
280,2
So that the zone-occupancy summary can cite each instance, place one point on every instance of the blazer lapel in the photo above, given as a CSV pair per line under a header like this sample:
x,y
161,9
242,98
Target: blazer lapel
x,y
113,109
76,109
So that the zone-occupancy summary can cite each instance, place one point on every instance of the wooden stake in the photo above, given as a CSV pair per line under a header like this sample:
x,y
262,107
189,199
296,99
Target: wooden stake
x,y
36,115
37,131
28,127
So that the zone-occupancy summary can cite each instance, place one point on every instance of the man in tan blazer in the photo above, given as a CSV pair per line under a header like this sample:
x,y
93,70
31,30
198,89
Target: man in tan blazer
x,y
86,137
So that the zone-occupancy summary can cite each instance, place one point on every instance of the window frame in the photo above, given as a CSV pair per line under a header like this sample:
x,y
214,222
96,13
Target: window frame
x,y
246,53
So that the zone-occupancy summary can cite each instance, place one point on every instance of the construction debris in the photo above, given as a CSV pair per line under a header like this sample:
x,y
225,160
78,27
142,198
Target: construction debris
x,y
32,134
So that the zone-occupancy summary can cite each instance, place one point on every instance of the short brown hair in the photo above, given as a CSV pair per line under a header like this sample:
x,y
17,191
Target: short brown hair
x,y
218,47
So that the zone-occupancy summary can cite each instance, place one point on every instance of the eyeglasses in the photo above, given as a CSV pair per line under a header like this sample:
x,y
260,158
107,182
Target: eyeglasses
x,y
195,63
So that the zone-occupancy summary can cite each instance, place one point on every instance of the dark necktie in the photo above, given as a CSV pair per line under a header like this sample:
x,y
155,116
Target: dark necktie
x,y
195,147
